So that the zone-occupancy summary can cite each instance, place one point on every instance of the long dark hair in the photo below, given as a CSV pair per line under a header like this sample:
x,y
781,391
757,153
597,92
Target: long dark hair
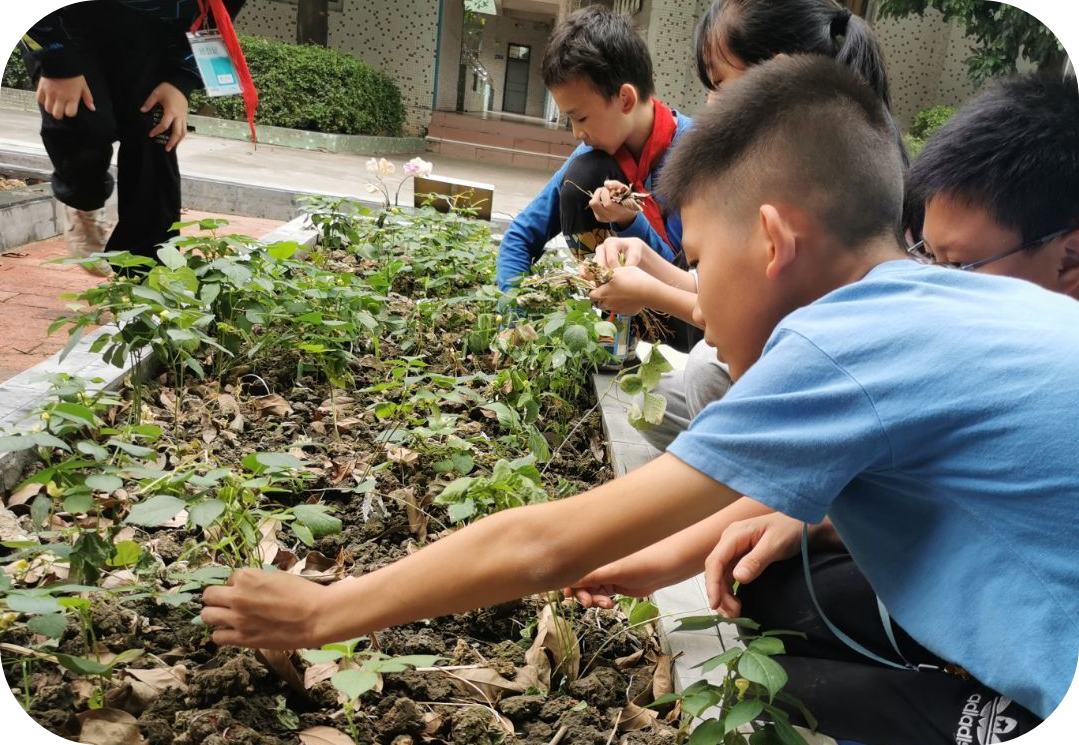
x,y
758,30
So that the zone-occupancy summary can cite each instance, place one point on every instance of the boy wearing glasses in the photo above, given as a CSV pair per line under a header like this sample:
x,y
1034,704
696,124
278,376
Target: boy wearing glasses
x,y
999,185
916,407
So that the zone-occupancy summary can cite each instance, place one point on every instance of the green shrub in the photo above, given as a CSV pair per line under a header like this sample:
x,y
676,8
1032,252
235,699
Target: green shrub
x,y
928,121
313,88
15,74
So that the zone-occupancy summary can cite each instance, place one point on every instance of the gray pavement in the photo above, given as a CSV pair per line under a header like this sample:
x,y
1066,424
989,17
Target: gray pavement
x,y
308,170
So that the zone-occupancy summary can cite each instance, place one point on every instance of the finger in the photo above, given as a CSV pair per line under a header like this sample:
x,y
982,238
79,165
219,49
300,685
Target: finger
x,y
218,595
213,616
71,108
583,596
42,99
151,101
750,566
179,132
162,126
88,98
615,186
228,638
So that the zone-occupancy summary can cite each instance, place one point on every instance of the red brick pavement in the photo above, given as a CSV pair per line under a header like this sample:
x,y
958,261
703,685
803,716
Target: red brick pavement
x,y
30,294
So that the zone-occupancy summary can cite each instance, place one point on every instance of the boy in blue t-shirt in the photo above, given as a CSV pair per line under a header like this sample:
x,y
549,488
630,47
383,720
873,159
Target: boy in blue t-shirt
x,y
599,72
916,406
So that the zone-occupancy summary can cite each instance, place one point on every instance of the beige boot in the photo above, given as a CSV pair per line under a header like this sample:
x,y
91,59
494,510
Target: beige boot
x,y
85,233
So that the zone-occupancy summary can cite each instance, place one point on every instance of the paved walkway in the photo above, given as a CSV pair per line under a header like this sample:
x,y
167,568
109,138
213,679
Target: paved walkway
x,y
308,170
30,294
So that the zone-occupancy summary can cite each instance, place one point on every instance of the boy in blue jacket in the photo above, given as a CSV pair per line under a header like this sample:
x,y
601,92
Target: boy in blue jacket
x,y
599,72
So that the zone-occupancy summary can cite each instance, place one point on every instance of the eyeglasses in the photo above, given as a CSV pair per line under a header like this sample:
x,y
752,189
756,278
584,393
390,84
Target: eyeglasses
x,y
921,254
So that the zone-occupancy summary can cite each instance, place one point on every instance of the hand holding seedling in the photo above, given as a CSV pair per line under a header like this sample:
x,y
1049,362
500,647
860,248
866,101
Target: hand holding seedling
x,y
745,550
173,113
627,292
265,610
61,97
615,252
615,203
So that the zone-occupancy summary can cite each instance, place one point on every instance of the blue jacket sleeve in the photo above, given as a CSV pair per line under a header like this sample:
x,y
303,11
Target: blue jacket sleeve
x,y
539,222
641,228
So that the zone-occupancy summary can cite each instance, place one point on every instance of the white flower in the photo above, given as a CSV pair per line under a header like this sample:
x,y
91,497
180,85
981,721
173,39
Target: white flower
x,y
373,188
386,168
372,166
419,167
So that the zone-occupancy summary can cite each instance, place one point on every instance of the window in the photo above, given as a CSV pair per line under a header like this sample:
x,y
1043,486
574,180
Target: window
x,y
519,51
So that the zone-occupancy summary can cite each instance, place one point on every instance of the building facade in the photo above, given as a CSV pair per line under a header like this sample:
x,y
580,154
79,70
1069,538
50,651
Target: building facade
x,y
481,57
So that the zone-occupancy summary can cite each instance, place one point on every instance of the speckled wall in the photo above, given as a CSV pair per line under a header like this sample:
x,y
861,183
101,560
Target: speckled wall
x,y
397,37
926,62
498,33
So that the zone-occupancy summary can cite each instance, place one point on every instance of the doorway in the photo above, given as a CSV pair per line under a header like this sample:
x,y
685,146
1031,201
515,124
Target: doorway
x,y
515,91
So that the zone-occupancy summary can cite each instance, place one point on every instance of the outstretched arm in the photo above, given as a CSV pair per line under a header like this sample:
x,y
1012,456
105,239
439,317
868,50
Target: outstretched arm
x,y
508,555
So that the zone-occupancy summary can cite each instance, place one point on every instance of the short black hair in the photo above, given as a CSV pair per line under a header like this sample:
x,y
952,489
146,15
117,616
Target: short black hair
x,y
803,129
1012,150
602,47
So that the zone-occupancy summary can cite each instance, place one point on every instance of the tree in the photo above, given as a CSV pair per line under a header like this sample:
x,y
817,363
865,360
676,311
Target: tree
x,y
1001,34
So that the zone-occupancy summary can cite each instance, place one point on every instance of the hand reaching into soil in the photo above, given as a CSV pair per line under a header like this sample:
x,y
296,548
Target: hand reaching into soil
x,y
635,576
265,610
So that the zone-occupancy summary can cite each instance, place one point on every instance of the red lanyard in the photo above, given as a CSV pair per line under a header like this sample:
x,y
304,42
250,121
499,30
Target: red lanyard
x,y
232,43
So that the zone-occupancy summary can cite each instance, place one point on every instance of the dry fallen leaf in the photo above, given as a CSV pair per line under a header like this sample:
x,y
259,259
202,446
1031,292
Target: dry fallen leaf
x,y
402,455
24,495
109,727
629,660
661,683
315,674
634,718
324,736
484,684
555,645
162,678
341,471
273,405
417,518
432,723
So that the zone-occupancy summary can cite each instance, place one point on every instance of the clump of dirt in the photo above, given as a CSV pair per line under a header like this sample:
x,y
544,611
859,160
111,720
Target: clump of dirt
x,y
603,687
399,716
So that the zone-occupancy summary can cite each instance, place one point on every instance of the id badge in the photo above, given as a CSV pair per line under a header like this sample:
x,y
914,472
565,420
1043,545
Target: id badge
x,y
215,66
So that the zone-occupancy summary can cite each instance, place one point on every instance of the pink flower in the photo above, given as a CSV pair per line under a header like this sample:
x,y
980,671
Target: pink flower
x,y
418,167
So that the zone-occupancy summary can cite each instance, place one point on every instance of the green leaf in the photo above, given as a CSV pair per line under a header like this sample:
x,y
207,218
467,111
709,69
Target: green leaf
x,y
606,328
81,665
78,504
741,714
127,554
316,518
39,510
631,384
400,664
204,513
321,656
576,338
5,582
788,735
767,645
642,612
354,683
75,413
104,482
758,668
171,257
13,443
699,623
655,406
260,462
708,732
463,511
283,251
52,625
46,440
155,511
304,534
697,700
131,449
666,698
32,604
89,555
720,659
92,449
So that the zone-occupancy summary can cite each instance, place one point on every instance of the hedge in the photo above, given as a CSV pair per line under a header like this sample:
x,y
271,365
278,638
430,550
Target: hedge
x,y
926,122
15,74
313,88
301,87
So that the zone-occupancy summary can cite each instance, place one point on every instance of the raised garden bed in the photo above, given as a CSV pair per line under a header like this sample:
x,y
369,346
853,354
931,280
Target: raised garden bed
x,y
324,416
258,458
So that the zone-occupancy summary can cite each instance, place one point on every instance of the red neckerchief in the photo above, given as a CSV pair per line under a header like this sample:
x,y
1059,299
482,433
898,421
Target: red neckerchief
x,y
228,35
659,141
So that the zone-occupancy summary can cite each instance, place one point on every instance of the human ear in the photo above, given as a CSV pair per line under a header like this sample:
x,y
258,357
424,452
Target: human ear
x,y
628,97
779,238
1068,269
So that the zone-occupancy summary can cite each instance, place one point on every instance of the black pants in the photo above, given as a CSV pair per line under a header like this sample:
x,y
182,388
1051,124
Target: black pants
x,y
123,63
854,698
584,232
